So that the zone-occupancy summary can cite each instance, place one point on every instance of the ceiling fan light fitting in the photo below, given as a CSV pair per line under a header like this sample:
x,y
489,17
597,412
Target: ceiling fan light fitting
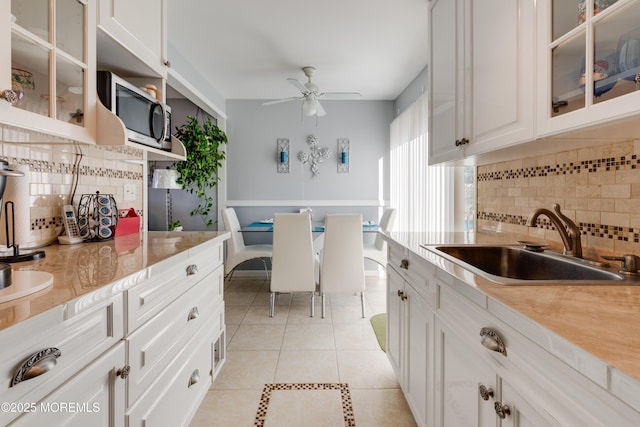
x,y
309,107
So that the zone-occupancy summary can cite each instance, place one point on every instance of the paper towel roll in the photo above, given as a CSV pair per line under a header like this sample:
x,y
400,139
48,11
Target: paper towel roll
x,y
18,191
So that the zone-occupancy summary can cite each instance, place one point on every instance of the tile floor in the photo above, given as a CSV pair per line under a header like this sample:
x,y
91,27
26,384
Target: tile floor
x,y
291,370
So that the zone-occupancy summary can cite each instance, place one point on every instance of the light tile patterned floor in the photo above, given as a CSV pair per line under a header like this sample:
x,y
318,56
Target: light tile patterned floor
x,y
293,370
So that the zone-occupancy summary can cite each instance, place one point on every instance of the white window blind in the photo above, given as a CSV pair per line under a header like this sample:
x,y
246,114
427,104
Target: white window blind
x,y
422,194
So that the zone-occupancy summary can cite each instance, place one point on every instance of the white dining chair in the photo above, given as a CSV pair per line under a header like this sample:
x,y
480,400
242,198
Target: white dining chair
x,y
237,251
378,250
293,262
342,263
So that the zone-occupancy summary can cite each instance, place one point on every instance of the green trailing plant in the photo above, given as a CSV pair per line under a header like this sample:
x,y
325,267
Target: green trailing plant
x,y
173,225
199,172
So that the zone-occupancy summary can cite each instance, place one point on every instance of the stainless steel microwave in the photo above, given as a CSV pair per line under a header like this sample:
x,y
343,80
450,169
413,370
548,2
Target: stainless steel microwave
x,y
147,120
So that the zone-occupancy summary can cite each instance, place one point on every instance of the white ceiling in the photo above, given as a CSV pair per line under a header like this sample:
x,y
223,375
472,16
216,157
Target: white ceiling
x,y
248,48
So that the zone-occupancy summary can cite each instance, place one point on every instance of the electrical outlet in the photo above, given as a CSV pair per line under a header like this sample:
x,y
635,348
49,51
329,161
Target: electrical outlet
x,y
129,191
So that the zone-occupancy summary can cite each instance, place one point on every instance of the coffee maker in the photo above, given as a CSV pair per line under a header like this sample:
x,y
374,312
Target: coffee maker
x,y
5,269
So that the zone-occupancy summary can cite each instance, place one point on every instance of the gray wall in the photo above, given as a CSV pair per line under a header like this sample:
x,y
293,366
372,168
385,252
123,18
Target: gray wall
x,y
253,130
416,88
183,201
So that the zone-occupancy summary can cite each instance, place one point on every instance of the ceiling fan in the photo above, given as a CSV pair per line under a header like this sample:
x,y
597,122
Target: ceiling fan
x,y
311,95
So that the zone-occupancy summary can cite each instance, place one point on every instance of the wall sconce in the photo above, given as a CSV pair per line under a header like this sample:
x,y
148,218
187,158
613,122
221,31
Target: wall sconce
x,y
283,155
343,156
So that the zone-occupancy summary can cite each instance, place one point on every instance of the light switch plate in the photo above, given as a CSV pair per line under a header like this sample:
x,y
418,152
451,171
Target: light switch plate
x,y
129,191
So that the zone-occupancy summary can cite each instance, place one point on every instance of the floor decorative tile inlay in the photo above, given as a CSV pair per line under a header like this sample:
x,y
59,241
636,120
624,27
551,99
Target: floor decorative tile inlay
x,y
347,406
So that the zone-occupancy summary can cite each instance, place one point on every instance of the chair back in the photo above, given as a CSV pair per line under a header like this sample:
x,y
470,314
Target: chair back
x,y
293,262
236,243
386,224
342,265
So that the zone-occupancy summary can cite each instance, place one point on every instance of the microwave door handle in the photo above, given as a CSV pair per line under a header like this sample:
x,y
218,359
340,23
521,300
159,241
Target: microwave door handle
x,y
164,121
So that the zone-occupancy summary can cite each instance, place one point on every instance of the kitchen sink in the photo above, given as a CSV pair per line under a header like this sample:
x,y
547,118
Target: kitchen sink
x,y
514,265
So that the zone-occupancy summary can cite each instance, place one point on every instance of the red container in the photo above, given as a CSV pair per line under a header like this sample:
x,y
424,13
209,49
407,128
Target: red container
x,y
128,222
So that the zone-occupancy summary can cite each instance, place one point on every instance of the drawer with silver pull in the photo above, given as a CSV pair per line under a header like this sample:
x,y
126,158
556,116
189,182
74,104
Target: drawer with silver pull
x,y
167,281
153,345
414,270
43,352
183,385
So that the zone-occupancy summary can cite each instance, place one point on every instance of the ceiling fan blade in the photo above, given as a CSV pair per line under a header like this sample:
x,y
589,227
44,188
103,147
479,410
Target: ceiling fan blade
x,y
340,95
301,87
278,101
319,110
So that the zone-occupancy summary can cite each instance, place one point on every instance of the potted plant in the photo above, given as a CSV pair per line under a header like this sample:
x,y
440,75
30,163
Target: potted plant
x,y
199,172
175,226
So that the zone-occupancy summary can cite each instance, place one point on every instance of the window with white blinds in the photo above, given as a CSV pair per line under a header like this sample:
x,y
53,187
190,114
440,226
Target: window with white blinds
x,y
423,194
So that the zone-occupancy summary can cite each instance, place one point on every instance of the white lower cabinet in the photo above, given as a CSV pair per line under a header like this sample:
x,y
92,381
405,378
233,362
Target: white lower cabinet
x,y
93,397
410,321
442,341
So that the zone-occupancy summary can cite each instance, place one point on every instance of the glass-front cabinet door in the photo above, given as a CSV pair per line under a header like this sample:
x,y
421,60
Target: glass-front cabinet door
x,y
588,63
49,83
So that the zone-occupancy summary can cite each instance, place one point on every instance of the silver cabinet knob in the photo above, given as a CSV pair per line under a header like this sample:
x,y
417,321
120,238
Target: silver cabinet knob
x,y
485,393
402,295
37,364
193,314
192,269
195,377
124,372
502,410
404,264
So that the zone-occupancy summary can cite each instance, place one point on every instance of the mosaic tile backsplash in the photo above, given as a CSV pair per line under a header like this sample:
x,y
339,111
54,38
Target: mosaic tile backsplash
x,y
51,166
598,187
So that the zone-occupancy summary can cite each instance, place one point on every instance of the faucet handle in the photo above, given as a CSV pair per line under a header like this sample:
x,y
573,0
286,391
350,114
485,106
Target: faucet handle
x,y
629,263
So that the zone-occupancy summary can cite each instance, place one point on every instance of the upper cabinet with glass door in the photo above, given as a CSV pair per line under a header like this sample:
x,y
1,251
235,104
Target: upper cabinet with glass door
x,y
604,34
48,85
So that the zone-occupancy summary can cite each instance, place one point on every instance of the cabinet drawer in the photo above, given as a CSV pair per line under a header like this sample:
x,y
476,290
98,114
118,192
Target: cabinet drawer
x,y
79,339
175,396
156,343
168,280
415,270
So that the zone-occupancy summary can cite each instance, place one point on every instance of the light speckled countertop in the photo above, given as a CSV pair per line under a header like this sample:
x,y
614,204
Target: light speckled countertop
x,y
603,320
86,267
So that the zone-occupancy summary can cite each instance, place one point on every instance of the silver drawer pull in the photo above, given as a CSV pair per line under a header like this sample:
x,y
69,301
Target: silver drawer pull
x,y
404,264
195,377
502,410
193,314
402,295
491,340
485,393
124,372
37,364
192,269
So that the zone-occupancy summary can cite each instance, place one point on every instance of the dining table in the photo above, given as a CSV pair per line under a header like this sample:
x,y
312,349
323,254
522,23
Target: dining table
x,y
317,227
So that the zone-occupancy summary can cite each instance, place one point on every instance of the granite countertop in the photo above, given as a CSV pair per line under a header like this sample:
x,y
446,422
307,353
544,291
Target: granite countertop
x,y
83,268
603,320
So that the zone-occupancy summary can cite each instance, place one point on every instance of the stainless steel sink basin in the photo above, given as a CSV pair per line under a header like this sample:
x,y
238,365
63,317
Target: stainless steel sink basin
x,y
514,265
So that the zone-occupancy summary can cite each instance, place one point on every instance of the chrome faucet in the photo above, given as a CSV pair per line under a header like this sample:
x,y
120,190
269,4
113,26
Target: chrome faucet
x,y
569,231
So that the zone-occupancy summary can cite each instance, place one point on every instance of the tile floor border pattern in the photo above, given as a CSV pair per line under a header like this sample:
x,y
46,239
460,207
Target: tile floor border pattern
x,y
347,405
627,234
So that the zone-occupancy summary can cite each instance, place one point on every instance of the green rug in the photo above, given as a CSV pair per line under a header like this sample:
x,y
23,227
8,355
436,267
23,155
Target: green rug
x,y
379,323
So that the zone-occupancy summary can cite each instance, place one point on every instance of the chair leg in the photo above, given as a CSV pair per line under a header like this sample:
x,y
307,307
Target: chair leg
x,y
313,307
272,304
362,303
323,305
266,271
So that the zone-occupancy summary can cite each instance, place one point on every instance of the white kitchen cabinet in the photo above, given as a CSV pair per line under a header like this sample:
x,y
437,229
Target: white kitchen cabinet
x,y
51,46
93,397
137,27
605,34
410,337
481,96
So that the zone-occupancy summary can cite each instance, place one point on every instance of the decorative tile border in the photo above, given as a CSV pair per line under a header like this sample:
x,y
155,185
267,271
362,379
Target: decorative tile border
x,y
627,234
347,405
585,166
